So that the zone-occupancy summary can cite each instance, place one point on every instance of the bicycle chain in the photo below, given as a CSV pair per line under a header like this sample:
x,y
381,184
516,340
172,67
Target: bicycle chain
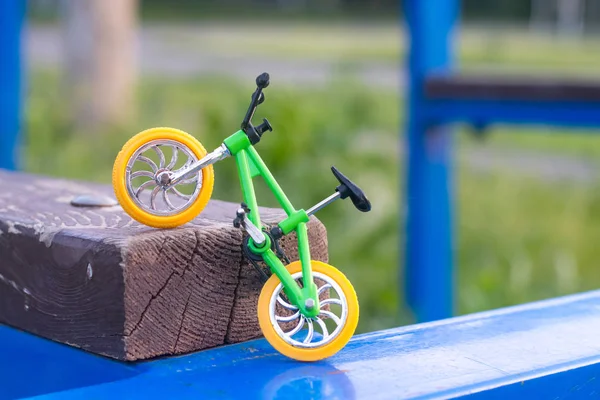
x,y
255,258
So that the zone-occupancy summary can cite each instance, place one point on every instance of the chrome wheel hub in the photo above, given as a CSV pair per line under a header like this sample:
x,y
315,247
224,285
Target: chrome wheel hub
x,y
148,177
304,332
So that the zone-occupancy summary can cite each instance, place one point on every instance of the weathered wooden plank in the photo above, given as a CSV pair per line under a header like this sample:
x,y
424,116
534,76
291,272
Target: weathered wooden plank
x,y
96,279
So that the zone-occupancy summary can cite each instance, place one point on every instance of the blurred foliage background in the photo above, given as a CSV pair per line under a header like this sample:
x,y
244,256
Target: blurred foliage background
x,y
527,199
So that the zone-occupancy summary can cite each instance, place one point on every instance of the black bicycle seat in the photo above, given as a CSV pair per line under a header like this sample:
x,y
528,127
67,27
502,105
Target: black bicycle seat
x,y
347,188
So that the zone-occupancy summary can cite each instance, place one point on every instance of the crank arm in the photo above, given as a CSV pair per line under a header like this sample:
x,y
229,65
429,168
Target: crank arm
x,y
218,154
242,221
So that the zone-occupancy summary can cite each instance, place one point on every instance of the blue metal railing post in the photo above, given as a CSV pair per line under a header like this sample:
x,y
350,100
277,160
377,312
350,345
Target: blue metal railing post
x,y
428,271
11,23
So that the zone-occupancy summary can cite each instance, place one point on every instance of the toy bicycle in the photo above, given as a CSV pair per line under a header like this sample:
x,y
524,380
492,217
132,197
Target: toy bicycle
x,y
163,178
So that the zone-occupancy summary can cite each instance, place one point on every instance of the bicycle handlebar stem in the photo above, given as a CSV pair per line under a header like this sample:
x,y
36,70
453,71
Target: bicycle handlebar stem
x,y
251,109
254,134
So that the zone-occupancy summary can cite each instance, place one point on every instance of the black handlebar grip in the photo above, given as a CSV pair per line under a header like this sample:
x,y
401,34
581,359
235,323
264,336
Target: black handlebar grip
x,y
262,81
265,126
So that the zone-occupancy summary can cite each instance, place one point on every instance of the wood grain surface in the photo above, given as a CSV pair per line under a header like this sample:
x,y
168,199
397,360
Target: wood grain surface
x,y
95,279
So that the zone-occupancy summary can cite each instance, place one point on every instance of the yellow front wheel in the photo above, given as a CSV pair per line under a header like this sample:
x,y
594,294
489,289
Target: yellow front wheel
x,y
143,167
309,339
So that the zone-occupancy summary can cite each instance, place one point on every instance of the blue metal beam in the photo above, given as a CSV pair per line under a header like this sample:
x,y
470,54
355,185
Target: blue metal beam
x,y
11,23
555,113
543,350
428,269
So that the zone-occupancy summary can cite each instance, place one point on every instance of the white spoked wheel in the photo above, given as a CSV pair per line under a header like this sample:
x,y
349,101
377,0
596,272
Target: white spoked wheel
x,y
301,337
316,333
146,179
142,178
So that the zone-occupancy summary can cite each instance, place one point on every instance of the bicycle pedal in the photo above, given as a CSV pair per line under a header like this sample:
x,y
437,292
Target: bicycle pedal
x,y
244,207
237,222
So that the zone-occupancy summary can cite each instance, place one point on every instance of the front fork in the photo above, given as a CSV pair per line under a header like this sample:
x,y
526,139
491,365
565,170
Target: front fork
x,y
305,298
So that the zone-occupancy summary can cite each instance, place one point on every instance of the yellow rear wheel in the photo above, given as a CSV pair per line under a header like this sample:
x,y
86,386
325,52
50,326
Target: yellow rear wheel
x,y
280,321
159,141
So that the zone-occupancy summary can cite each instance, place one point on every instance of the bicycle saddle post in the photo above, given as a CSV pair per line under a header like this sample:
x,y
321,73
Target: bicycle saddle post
x,y
345,189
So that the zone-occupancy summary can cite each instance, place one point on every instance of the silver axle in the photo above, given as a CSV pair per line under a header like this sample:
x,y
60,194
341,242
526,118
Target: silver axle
x,y
218,154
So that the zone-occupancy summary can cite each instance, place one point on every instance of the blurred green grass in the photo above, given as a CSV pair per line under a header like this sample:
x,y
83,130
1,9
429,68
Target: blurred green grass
x,y
582,143
518,239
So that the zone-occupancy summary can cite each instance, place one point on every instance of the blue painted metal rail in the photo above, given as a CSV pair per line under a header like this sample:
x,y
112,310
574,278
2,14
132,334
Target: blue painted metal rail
x,y
11,23
565,114
429,263
429,268
544,350
516,100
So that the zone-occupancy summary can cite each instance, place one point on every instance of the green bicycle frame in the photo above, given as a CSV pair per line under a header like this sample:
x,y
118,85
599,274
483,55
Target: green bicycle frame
x,y
250,165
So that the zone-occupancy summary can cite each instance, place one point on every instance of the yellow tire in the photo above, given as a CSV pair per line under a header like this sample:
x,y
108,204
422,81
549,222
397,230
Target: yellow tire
x,y
338,338
125,198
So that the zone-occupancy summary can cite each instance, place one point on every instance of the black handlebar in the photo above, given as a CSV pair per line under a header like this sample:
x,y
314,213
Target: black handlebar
x,y
255,133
